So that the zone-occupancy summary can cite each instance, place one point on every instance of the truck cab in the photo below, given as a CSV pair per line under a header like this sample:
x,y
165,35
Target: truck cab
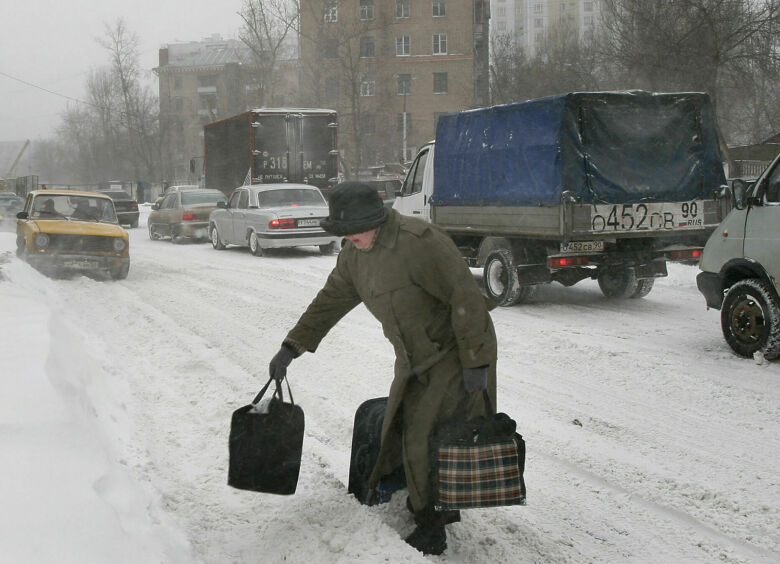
x,y
741,267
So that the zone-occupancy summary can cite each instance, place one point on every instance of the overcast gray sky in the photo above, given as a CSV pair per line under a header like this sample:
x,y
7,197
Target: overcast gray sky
x,y
51,43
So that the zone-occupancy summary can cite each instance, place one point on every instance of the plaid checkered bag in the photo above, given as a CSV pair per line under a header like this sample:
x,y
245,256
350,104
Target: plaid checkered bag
x,y
478,463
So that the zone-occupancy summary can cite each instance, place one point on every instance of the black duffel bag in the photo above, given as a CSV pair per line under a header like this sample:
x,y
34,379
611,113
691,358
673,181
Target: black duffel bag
x,y
266,443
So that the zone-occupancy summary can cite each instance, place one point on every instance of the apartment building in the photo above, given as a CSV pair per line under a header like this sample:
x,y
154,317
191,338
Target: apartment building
x,y
530,21
204,81
390,68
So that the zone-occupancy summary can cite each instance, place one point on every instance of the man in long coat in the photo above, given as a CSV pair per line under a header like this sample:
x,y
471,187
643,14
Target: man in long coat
x,y
411,277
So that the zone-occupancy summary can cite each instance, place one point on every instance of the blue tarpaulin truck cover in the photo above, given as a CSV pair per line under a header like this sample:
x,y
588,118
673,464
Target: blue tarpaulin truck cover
x,y
603,147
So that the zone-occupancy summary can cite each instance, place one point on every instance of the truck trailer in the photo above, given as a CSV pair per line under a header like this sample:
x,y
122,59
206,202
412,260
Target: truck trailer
x,y
269,145
588,185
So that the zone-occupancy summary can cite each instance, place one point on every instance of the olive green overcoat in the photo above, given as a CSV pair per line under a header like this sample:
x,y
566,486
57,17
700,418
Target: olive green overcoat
x,y
414,281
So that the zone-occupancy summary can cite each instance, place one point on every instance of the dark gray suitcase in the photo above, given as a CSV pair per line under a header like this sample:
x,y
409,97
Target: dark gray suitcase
x,y
366,441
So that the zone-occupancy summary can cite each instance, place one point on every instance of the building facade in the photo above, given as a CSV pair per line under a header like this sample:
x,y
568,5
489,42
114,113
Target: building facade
x,y
204,81
390,68
528,22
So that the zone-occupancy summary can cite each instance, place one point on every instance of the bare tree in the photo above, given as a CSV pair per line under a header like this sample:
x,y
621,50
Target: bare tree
x,y
337,69
266,31
138,107
564,62
691,44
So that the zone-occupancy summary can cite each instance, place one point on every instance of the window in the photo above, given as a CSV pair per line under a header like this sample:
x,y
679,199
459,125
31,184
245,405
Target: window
x,y
402,46
538,8
332,11
330,49
588,6
368,87
439,8
176,82
501,12
207,80
500,26
404,82
401,8
366,9
178,104
367,46
538,22
439,43
400,123
440,83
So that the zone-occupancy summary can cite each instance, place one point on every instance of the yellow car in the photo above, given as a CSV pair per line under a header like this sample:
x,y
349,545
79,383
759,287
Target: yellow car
x,y
64,231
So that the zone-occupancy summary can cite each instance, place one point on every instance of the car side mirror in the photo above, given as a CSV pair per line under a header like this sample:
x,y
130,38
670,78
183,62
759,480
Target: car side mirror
x,y
738,191
222,205
155,206
398,193
22,215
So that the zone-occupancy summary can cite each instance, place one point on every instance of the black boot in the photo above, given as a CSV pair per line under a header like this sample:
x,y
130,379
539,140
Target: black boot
x,y
447,516
429,538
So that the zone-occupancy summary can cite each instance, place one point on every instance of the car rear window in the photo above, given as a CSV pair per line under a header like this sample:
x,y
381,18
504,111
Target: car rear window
x,y
290,197
191,198
118,194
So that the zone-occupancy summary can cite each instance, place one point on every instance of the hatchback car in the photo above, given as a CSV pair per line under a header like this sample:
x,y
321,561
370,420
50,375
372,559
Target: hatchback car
x,y
184,214
271,216
63,231
126,207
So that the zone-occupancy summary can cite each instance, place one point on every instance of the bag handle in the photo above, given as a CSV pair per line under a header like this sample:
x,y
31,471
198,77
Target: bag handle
x,y
278,392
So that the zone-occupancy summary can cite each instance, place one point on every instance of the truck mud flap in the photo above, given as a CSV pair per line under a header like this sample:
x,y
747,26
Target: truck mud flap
x,y
654,269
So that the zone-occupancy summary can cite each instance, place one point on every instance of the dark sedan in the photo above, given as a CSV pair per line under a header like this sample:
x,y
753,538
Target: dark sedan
x,y
126,207
10,205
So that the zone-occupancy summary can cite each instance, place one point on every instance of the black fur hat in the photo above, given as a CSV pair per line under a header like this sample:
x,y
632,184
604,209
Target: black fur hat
x,y
354,207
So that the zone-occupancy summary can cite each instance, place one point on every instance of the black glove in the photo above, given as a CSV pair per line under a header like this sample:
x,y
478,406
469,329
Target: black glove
x,y
475,378
279,363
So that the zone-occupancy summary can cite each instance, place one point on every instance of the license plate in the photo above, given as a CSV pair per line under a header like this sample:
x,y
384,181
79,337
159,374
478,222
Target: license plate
x,y
582,247
308,223
647,217
80,264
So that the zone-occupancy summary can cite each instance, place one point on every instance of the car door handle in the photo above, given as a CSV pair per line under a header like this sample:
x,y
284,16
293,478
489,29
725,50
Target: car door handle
x,y
416,212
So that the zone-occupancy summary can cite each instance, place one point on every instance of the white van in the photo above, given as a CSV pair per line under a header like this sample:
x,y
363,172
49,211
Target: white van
x,y
741,266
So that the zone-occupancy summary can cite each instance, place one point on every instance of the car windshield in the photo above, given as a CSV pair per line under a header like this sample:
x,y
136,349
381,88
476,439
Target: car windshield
x,y
66,206
290,197
201,197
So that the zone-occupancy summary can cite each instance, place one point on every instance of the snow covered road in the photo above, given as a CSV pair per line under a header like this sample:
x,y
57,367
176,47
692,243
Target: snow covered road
x,y
648,440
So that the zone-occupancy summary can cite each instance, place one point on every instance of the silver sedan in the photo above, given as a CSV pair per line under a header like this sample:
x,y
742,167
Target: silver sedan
x,y
272,216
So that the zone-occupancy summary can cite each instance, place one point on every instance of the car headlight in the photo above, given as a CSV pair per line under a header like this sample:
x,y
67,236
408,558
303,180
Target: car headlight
x,y
119,244
41,240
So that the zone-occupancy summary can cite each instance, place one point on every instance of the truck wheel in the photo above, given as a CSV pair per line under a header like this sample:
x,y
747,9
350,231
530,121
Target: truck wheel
x,y
750,318
254,245
620,283
643,287
216,242
500,275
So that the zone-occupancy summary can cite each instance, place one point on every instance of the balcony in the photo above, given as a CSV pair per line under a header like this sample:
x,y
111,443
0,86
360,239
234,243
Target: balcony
x,y
207,89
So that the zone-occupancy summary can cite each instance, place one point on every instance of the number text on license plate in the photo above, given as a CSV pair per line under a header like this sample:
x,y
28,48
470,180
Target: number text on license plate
x,y
83,263
582,247
647,216
308,223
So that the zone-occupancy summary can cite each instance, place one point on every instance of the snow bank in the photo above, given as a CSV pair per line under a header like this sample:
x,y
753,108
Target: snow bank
x,y
66,495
